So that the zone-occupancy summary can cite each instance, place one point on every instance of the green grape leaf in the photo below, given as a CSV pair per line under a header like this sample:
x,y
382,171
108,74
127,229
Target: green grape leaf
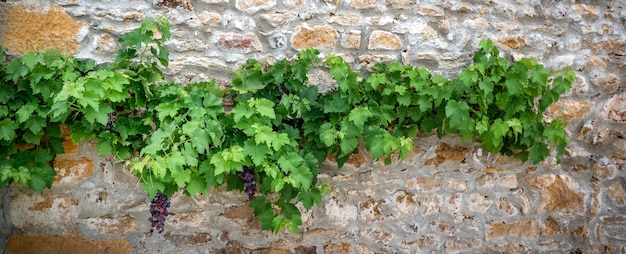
x,y
359,115
300,177
7,129
196,185
264,107
25,112
41,178
538,152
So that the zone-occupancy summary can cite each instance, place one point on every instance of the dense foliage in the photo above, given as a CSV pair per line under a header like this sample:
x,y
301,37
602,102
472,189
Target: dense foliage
x,y
179,137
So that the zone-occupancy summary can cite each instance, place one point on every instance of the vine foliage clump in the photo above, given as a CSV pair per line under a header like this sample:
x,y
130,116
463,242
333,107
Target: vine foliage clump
x,y
179,137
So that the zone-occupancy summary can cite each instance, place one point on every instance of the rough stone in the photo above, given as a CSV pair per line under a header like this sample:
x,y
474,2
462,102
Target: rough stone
x,y
347,20
63,244
615,110
27,28
381,40
584,9
242,43
279,19
72,171
608,82
526,228
370,210
253,6
616,194
351,39
400,4
446,152
559,193
569,109
361,4
30,210
509,182
317,36
425,183
553,226
462,245
338,248
478,203
430,11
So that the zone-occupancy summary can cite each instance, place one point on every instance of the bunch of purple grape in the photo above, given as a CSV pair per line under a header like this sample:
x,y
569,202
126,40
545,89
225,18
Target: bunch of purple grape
x,y
250,182
158,209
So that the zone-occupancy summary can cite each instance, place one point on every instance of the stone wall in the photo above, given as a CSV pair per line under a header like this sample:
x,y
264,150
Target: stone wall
x,y
449,197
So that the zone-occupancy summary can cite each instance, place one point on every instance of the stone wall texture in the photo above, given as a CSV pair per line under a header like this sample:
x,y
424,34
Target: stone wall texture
x,y
448,197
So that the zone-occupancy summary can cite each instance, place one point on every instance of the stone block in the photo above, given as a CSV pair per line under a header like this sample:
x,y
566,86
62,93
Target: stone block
x,y
615,110
361,4
63,244
72,171
35,28
31,210
382,40
240,43
559,193
569,109
609,82
351,39
338,248
253,6
370,210
314,37
616,194
462,245
526,228
446,152
188,239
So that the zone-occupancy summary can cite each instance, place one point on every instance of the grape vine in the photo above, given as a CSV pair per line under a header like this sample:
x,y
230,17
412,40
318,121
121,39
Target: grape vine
x,y
270,144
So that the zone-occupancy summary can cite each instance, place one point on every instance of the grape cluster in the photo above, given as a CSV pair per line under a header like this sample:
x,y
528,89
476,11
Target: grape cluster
x,y
250,181
158,209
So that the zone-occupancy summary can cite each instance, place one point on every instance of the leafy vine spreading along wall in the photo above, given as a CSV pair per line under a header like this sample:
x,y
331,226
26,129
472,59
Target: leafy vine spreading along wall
x,y
179,137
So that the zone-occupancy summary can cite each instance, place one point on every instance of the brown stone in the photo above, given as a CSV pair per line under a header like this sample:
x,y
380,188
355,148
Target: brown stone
x,y
568,109
505,205
509,248
613,46
616,194
400,4
111,225
63,244
30,209
347,20
69,147
241,212
253,6
382,40
317,36
185,4
338,248
553,226
360,4
26,29
478,203
462,245
351,40
486,181
243,43
584,9
370,209
608,82
408,203
509,182
446,152
430,11
558,193
616,109
425,183
279,19
513,42
580,231
188,239
72,171
526,228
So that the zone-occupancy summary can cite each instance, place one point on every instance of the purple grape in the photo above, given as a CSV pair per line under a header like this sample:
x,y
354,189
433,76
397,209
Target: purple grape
x,y
158,210
247,175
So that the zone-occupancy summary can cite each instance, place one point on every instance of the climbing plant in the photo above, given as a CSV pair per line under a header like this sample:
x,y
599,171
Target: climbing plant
x,y
269,144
